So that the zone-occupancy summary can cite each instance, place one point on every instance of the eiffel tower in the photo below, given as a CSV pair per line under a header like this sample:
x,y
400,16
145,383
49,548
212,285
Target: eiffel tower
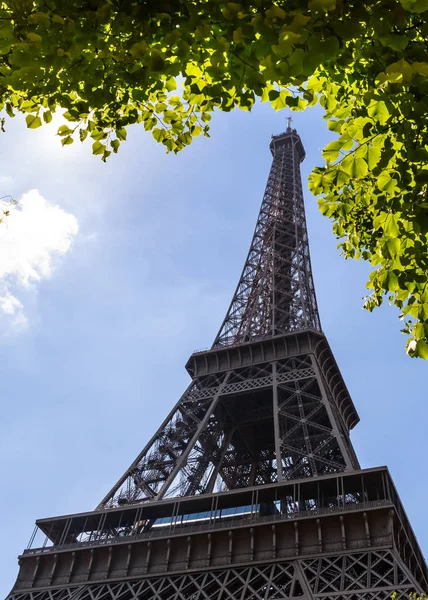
x,y
250,489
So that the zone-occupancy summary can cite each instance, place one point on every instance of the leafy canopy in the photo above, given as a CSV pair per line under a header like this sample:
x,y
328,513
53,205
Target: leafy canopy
x,y
169,63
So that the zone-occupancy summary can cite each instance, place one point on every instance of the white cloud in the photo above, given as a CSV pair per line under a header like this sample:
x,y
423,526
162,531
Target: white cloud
x,y
14,309
31,236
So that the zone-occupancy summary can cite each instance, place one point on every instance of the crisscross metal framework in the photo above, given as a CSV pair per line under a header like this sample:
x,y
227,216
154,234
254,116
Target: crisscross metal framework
x,y
275,293
372,575
247,426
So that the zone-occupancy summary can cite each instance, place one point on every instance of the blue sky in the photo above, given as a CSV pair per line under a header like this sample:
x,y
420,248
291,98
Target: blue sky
x,y
93,356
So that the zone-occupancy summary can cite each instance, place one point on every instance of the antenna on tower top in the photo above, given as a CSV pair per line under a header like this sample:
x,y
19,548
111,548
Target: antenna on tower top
x,y
289,119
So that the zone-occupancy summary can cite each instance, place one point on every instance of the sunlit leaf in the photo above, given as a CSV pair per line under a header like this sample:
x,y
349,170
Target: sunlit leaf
x,y
33,121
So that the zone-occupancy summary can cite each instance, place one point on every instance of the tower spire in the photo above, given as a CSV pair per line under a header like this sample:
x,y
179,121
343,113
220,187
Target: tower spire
x,y
275,293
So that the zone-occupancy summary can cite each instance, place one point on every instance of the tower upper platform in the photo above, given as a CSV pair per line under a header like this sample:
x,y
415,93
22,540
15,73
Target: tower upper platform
x,y
283,139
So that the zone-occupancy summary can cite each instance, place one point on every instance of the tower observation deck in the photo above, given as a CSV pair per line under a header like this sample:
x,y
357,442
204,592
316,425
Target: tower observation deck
x,y
250,489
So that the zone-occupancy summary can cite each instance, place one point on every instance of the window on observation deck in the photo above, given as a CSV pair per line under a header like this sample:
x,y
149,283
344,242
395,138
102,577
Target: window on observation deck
x,y
225,514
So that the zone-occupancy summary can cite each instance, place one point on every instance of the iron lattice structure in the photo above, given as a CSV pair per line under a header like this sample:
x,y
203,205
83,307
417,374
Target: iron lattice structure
x,y
275,294
250,489
364,575
250,425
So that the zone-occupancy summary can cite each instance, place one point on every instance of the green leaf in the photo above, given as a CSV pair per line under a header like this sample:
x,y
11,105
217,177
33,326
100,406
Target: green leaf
x,y
342,178
275,12
335,125
281,100
34,37
287,41
158,134
402,68
315,179
139,49
171,85
121,134
386,183
421,349
33,121
373,156
330,47
157,62
238,36
393,247
9,111
58,20
416,6
322,5
390,227
47,116
321,181
419,155
98,148
40,18
391,283
64,130
66,141
331,151
420,67
396,42
377,110
412,310
379,220
354,167
97,134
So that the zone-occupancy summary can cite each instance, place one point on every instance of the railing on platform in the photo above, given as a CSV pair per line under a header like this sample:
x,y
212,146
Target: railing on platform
x,y
209,525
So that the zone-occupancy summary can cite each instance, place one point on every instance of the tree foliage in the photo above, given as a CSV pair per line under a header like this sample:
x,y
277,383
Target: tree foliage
x,y
168,64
